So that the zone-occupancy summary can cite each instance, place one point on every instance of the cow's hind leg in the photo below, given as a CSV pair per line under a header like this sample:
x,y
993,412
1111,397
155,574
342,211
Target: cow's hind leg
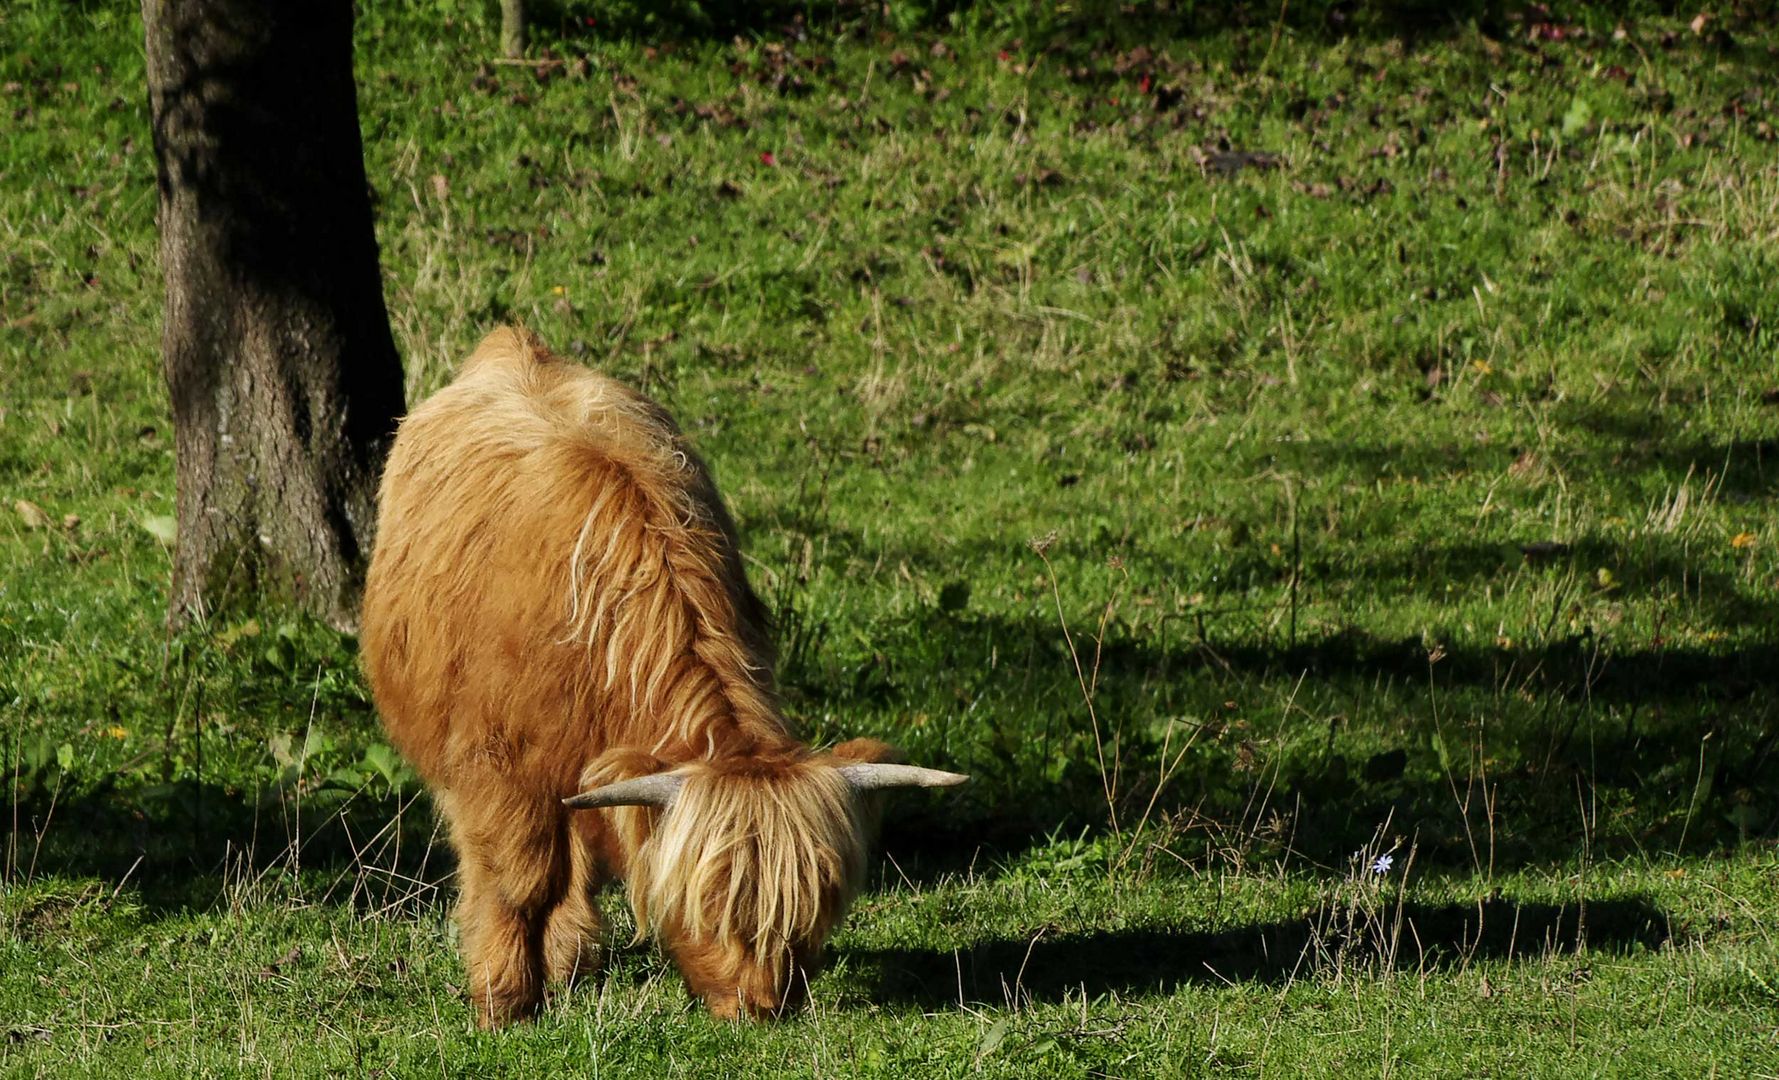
x,y
511,859
571,936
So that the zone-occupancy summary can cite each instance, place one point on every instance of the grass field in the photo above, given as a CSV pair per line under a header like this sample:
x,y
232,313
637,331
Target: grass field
x,y
1319,482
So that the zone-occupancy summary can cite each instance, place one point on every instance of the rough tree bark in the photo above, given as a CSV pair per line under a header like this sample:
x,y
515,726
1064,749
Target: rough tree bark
x,y
283,373
512,28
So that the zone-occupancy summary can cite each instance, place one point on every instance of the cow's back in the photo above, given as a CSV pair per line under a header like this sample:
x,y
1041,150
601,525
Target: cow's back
x,y
475,637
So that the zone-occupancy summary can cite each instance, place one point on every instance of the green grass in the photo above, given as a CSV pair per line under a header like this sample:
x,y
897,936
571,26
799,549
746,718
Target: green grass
x,y
1409,489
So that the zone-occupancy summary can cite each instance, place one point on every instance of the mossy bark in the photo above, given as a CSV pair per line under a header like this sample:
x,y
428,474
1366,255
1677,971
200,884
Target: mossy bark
x,y
283,374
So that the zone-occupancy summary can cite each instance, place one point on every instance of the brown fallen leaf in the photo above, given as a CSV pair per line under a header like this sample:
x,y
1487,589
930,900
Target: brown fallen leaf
x,y
289,958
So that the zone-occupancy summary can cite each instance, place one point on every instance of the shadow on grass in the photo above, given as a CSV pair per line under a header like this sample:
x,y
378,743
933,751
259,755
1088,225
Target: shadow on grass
x,y
1674,737
1050,967
193,847
1626,447
1676,743
1631,727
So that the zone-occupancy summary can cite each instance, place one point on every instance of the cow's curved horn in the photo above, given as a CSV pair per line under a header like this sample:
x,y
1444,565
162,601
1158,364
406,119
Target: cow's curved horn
x,y
876,777
656,789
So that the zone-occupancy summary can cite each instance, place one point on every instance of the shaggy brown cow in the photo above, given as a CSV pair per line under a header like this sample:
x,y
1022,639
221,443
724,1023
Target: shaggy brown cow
x,y
557,603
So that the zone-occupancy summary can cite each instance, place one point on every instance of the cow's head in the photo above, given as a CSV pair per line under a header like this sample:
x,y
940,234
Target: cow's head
x,y
750,862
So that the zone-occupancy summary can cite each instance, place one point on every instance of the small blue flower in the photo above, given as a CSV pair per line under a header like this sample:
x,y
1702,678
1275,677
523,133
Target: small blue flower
x,y
1382,864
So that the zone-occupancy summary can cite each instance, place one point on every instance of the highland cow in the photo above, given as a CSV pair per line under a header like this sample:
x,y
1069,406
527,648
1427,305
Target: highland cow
x,y
560,637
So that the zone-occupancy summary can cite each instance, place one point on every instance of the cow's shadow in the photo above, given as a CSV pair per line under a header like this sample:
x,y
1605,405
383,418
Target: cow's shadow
x,y
1051,965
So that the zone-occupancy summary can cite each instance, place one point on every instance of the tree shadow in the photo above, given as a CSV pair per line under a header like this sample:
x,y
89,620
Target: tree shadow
x,y
1050,967
1645,568
1630,444
187,846
1665,717
1643,440
1653,728
1679,736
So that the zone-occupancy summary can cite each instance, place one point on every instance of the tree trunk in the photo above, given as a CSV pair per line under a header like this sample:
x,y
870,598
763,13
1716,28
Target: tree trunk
x,y
512,28
284,377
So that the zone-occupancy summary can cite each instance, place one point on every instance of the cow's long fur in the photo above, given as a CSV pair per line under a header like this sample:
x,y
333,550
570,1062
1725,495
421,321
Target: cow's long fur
x,y
556,602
